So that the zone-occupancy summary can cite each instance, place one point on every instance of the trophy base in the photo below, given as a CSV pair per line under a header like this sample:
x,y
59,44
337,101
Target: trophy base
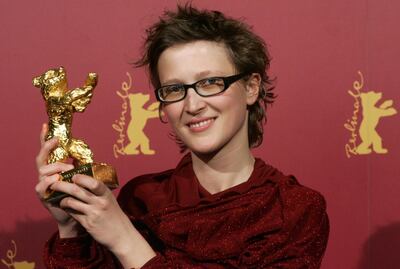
x,y
98,171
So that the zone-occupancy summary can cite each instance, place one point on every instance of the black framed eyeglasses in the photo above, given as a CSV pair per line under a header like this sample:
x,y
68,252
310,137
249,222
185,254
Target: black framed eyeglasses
x,y
205,87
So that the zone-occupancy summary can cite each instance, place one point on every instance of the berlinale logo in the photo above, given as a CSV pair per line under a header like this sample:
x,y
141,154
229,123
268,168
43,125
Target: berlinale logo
x,y
371,140
11,264
131,137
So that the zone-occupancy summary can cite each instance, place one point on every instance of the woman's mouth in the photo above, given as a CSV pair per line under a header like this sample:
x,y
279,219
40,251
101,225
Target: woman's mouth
x,y
199,126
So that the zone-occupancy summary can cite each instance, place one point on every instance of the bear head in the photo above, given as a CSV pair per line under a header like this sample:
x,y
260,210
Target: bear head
x,y
138,100
369,99
53,83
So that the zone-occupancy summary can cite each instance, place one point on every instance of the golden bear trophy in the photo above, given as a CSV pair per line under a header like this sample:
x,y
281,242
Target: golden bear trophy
x,y
61,103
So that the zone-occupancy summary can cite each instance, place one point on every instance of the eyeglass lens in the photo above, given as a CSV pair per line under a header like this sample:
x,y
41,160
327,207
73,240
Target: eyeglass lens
x,y
205,87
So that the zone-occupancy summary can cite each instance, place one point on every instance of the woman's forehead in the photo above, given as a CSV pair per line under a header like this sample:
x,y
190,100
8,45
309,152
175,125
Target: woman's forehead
x,y
194,59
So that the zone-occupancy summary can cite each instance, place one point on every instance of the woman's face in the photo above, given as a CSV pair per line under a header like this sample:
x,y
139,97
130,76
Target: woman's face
x,y
205,124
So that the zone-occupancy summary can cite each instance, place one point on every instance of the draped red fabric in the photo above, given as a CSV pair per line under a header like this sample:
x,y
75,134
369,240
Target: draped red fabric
x,y
269,221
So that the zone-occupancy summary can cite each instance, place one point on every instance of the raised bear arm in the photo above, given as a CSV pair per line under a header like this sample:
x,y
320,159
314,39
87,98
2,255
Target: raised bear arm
x,y
81,97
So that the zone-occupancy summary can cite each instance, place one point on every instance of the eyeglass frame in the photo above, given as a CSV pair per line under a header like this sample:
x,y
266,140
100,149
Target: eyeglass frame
x,y
228,81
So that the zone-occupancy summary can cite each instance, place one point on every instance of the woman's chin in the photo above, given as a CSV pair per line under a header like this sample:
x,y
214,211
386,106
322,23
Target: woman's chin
x,y
204,150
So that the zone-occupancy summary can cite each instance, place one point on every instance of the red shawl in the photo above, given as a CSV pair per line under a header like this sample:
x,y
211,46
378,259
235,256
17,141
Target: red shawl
x,y
269,221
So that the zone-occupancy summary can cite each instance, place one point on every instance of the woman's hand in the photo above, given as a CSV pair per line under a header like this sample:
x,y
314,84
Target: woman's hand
x,y
48,174
94,206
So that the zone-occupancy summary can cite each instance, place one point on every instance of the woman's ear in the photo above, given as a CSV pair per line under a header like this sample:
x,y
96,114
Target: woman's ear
x,y
253,85
161,113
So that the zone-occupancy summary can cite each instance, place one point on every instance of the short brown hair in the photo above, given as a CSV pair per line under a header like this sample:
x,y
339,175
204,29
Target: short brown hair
x,y
247,50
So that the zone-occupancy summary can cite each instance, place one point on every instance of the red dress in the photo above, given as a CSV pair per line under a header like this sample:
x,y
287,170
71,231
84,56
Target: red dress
x,y
269,221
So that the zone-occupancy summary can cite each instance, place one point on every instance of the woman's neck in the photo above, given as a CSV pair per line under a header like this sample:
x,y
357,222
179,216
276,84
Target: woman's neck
x,y
223,170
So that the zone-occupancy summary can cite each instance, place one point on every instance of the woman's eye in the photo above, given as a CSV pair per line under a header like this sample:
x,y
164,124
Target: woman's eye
x,y
210,81
172,89
177,88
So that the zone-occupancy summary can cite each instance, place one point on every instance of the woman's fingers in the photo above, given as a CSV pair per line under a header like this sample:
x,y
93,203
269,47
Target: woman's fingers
x,y
43,133
43,185
85,188
74,207
95,186
54,168
73,190
82,201
45,150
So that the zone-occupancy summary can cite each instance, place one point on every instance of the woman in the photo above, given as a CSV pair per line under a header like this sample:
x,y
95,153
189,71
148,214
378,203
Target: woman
x,y
220,207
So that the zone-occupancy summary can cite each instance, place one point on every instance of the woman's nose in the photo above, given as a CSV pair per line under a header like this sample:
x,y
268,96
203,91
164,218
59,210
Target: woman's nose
x,y
194,103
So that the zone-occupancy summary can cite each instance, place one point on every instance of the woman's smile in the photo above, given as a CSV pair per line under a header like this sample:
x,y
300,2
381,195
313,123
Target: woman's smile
x,y
200,124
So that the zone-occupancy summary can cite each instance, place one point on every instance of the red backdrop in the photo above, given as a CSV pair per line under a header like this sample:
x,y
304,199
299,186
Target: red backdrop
x,y
318,47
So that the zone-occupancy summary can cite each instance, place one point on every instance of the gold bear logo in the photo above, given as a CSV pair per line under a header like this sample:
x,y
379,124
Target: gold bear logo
x,y
11,264
61,104
139,117
371,116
